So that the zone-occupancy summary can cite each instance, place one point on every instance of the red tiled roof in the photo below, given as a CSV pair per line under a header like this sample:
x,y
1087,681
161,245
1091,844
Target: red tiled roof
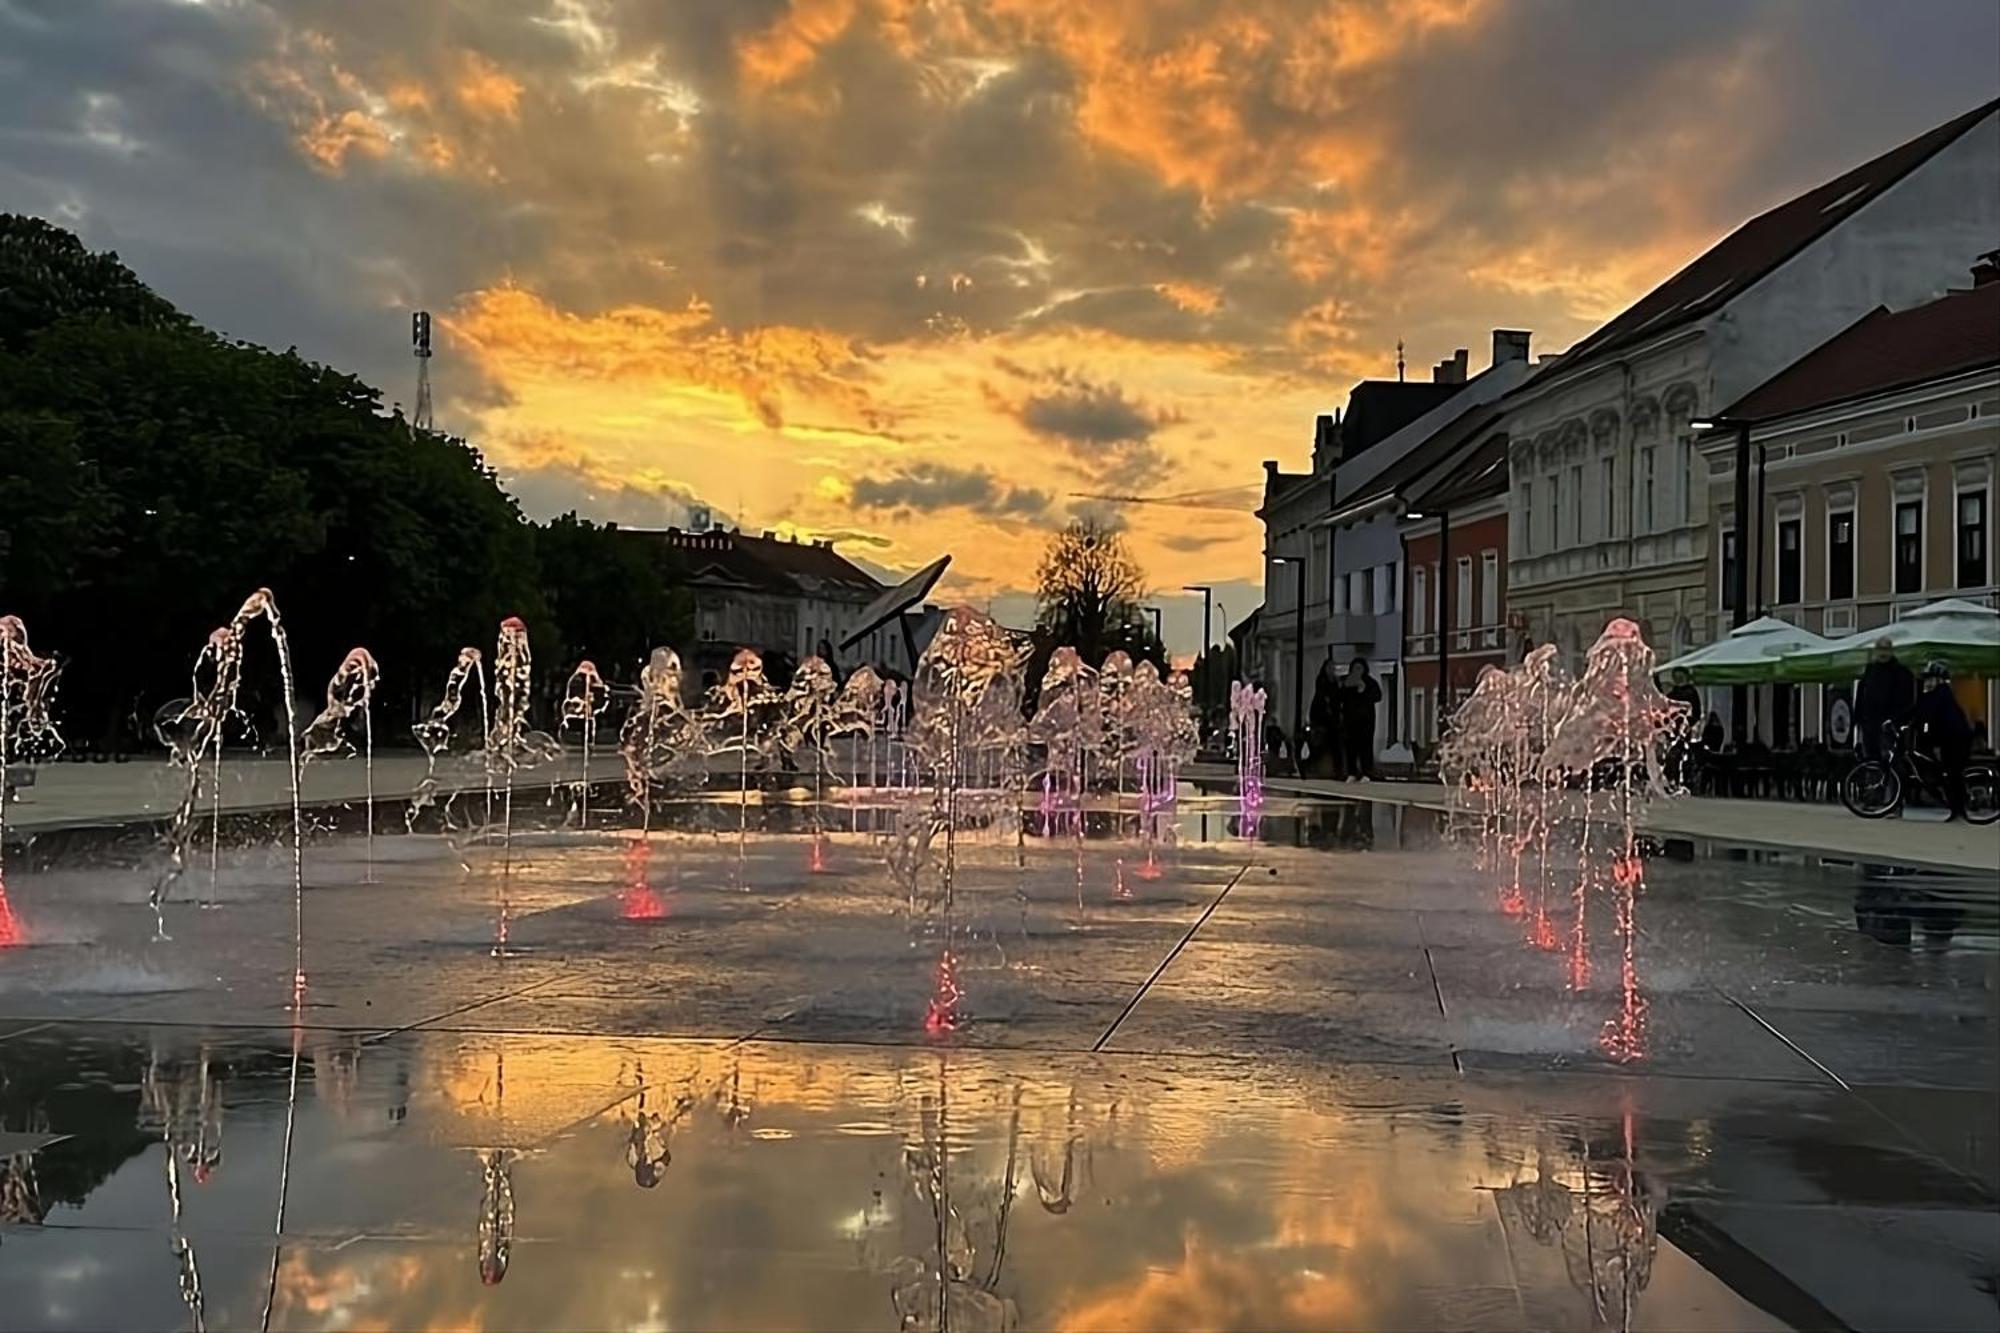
x,y
1884,350
1766,241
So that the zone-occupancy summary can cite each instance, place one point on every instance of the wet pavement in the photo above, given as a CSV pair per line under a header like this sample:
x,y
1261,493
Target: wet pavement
x,y
1319,1079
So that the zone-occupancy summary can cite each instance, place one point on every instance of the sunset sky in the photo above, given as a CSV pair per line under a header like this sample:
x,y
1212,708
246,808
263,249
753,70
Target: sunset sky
x,y
913,273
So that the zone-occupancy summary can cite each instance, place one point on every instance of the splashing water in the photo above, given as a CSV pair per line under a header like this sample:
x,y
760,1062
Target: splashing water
x,y
1516,746
808,706
658,733
27,690
506,743
194,728
1246,729
351,692
434,732
585,697
1068,694
191,729
740,698
857,716
1621,728
968,711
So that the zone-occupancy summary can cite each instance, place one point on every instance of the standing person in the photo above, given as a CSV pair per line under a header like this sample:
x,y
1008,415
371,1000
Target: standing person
x,y
1687,696
1358,696
1887,690
1938,723
1328,758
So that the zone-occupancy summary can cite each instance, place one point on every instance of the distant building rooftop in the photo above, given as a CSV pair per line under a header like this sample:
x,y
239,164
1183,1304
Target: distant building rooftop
x,y
1883,351
1764,242
768,563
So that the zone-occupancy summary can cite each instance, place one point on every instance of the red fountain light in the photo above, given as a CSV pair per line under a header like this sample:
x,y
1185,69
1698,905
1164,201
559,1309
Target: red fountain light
x,y
817,858
942,1016
639,902
11,933
1624,1037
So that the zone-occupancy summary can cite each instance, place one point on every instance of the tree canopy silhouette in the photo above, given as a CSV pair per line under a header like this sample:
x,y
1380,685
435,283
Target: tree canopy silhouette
x,y
152,474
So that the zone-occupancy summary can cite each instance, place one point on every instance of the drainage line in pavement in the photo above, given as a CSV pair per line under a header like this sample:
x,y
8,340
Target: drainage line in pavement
x,y
1172,954
1437,989
1801,1051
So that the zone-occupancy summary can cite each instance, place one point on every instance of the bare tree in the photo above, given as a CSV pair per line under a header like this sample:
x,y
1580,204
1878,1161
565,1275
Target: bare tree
x,y
1089,590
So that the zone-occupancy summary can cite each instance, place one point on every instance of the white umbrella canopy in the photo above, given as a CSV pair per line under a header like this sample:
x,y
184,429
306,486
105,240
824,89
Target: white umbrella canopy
x,y
1964,635
1748,655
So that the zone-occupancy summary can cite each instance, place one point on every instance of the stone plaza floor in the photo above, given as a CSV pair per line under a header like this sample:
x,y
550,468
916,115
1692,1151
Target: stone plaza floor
x,y
1311,1078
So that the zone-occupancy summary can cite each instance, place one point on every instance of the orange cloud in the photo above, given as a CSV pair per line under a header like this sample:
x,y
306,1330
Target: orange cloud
x,y
484,89
518,336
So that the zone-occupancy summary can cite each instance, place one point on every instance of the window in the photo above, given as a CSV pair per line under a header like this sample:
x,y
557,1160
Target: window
x,y
1383,602
1339,596
1489,587
1971,539
1729,569
1554,511
1909,546
1607,519
1527,518
1461,610
1419,599
1790,560
1576,503
1684,474
1437,596
1357,593
1840,556
1646,457
1417,714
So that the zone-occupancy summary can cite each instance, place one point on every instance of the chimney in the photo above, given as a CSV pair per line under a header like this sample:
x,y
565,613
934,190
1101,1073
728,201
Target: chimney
x,y
1987,269
1452,371
1325,442
1510,345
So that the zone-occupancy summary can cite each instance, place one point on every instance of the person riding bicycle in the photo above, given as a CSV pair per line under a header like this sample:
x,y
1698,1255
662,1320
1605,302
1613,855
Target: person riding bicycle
x,y
1938,723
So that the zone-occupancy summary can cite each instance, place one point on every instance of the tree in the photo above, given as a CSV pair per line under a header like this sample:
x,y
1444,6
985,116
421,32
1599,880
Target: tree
x,y
1089,590
153,474
610,598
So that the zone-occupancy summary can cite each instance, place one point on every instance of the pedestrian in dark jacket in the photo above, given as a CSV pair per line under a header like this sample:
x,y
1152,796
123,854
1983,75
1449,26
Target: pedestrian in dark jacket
x,y
1328,756
1359,693
1886,692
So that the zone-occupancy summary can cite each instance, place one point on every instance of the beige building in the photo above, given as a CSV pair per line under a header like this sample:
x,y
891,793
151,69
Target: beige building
x,y
1607,511
1875,455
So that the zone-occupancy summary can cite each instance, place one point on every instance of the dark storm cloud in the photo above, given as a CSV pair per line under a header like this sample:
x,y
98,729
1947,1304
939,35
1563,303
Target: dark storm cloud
x,y
976,168
1089,414
930,487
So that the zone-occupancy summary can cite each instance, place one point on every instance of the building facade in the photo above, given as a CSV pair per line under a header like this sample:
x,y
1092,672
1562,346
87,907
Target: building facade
x,y
1455,619
785,598
1608,512
1874,472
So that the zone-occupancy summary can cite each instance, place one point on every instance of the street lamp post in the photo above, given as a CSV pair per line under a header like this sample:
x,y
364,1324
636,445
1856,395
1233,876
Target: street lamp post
x,y
1739,581
1207,602
1298,663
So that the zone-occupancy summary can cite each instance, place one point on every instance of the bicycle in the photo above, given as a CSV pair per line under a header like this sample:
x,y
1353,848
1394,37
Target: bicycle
x,y
1874,788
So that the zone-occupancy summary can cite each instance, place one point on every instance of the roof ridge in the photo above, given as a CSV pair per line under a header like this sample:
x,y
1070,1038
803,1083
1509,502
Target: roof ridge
x,y
1663,307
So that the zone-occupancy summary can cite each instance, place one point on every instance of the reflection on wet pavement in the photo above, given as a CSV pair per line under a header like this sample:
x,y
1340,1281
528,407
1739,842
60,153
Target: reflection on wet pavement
x,y
1319,1079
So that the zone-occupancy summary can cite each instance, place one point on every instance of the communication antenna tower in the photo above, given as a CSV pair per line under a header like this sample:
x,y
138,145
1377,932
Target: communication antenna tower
x,y
420,347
